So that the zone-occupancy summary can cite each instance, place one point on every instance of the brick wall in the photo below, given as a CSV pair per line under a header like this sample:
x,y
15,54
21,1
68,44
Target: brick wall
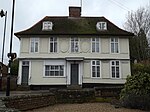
x,y
27,102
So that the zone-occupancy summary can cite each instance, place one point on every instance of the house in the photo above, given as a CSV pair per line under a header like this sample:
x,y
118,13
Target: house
x,y
63,51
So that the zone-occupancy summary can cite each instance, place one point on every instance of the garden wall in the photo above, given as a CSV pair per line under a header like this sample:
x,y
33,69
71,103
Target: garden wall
x,y
27,102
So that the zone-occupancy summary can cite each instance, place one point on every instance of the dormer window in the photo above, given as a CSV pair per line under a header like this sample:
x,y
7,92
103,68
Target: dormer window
x,y
47,25
101,26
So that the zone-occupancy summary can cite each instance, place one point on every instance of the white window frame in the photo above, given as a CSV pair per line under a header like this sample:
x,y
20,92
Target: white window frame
x,y
101,26
34,41
53,43
95,42
47,26
54,70
114,43
115,65
54,63
73,50
95,65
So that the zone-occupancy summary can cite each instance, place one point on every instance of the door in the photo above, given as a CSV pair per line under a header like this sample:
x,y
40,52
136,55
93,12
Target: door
x,y
74,74
25,72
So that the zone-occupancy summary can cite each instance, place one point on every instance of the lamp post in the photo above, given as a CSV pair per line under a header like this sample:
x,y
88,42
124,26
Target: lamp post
x,y
2,14
10,54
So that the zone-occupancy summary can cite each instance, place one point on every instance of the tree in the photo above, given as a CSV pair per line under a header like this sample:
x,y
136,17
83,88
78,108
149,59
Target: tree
x,y
14,67
138,22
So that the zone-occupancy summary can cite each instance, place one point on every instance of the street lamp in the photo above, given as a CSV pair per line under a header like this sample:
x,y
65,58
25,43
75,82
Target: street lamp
x,y
10,54
2,14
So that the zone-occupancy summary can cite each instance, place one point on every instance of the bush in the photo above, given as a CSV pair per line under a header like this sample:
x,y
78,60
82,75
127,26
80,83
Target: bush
x,y
136,91
139,67
136,101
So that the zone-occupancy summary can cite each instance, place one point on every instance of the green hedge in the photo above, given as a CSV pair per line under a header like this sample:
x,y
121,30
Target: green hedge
x,y
136,91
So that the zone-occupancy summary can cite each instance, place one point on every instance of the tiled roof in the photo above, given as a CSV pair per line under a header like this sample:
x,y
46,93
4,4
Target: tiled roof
x,y
74,26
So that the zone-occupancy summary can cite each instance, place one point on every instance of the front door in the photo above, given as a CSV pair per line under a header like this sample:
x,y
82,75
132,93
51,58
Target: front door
x,y
74,74
25,72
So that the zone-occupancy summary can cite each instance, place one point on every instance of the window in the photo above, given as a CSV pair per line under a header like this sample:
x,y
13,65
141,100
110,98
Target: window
x,y
101,26
95,44
95,68
34,45
115,69
47,25
53,44
114,45
74,45
54,70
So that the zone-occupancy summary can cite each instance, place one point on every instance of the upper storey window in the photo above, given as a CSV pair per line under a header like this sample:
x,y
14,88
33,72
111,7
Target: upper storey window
x,y
47,26
34,45
95,45
53,44
101,26
74,45
114,45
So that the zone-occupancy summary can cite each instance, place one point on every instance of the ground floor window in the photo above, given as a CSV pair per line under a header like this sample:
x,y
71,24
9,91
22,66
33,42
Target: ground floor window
x,y
95,67
54,70
115,69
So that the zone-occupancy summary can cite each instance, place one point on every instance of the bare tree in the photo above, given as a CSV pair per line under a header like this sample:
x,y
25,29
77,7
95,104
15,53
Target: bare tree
x,y
138,22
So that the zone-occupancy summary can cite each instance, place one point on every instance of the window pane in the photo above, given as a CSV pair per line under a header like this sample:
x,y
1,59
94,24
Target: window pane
x,y
97,47
97,62
32,46
117,62
113,63
93,74
93,68
113,72
51,73
52,67
36,47
61,73
56,73
93,47
55,47
51,47
46,73
117,72
112,48
93,62
116,48
98,74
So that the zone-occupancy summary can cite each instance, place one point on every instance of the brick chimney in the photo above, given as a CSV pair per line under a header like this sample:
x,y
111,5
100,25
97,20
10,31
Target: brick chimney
x,y
74,11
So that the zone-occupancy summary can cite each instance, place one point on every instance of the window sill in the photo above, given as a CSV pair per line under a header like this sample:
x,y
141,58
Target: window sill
x,y
54,77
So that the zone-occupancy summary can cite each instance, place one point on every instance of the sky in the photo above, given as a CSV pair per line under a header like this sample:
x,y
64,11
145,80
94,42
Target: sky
x,y
29,12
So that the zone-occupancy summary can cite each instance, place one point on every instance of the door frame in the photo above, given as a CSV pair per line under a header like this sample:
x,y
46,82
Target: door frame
x,y
80,69
19,81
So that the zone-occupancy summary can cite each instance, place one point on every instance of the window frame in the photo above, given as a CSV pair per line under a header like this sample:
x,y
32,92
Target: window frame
x,y
114,43
95,42
115,65
47,26
34,41
96,75
78,40
54,70
101,26
53,44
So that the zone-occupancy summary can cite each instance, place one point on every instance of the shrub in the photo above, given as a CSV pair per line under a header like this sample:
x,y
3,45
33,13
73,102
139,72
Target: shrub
x,y
139,67
136,91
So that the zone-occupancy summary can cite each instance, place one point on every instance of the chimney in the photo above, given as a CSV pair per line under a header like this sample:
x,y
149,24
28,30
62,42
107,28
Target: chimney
x,y
74,11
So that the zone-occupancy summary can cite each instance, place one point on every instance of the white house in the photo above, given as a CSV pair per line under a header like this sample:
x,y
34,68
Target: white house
x,y
74,50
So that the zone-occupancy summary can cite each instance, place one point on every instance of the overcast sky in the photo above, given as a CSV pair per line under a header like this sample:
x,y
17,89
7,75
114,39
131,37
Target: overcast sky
x,y
29,12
